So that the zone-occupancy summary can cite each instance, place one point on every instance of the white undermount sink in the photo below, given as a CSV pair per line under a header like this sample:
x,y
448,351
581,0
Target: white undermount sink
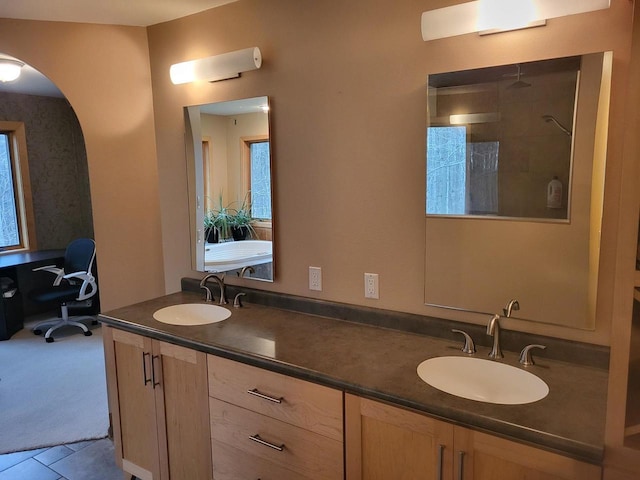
x,y
483,380
191,314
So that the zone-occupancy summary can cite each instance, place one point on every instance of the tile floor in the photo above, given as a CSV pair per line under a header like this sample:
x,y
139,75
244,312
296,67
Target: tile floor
x,y
89,460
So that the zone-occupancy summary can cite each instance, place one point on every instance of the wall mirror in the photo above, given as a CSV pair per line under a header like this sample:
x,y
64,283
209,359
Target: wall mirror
x,y
230,195
515,178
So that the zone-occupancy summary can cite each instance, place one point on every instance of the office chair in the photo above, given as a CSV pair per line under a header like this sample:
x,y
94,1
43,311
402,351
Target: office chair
x,y
73,283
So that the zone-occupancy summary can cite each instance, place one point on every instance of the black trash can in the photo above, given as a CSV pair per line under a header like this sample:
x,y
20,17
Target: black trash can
x,y
11,315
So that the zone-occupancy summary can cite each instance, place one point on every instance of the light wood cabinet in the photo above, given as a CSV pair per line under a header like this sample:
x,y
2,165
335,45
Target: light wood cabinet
x,y
479,456
384,441
159,406
270,426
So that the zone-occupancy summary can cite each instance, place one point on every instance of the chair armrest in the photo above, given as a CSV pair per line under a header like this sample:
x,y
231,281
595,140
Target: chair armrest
x,y
82,275
58,272
88,282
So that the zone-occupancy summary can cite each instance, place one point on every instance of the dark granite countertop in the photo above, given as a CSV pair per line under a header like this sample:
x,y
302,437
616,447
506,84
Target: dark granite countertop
x,y
381,363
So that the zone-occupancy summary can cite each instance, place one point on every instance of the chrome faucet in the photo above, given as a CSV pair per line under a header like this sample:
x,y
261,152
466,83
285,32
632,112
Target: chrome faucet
x,y
512,305
493,329
220,282
208,295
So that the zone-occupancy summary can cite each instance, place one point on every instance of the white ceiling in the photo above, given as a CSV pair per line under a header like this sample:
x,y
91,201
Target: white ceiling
x,y
114,12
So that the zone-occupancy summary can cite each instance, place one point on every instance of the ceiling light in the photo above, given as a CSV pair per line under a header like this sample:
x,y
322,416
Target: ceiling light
x,y
491,16
10,69
218,67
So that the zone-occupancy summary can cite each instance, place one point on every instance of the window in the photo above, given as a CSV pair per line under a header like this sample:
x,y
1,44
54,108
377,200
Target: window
x,y
462,176
17,231
257,177
446,170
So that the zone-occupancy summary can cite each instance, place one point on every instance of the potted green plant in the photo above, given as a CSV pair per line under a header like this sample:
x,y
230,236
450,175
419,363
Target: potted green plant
x,y
210,232
218,222
242,222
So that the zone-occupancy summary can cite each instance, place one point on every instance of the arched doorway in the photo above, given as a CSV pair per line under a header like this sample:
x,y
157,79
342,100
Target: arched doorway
x,y
48,393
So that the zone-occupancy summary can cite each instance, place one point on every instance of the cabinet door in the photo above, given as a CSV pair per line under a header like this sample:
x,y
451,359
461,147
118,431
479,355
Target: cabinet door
x,y
479,456
180,384
385,442
132,402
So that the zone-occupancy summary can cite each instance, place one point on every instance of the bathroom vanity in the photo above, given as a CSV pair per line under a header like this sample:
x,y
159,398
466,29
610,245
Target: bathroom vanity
x,y
279,394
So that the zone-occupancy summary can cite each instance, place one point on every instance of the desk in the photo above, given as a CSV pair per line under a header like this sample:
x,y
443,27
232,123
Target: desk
x,y
19,268
18,259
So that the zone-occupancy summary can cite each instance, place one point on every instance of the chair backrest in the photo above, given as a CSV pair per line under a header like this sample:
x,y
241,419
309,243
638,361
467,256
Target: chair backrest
x,y
80,255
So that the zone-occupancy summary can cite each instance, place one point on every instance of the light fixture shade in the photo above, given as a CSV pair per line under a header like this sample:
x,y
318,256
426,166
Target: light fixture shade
x,y
218,67
499,15
10,69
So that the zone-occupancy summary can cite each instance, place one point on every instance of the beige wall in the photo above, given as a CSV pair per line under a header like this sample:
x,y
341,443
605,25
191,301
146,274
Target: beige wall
x,y
347,87
104,73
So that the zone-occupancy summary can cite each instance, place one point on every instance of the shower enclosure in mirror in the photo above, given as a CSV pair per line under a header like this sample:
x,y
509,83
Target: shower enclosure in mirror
x,y
230,195
515,159
499,140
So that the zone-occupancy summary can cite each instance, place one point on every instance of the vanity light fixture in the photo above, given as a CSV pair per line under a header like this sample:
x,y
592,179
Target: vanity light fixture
x,y
218,67
10,69
493,16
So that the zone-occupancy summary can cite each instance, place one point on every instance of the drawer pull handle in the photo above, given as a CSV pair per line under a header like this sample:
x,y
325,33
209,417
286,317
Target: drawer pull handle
x,y
259,394
154,382
144,368
460,465
440,455
256,438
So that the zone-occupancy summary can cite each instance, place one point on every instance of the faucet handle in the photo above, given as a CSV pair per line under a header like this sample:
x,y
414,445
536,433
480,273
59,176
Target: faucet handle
x,y
526,358
510,306
469,346
208,295
237,301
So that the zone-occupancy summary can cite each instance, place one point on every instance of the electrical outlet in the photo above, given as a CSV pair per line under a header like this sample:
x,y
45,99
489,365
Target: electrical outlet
x,y
371,285
315,278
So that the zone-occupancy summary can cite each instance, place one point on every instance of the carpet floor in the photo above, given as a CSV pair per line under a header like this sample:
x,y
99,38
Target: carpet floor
x,y
52,393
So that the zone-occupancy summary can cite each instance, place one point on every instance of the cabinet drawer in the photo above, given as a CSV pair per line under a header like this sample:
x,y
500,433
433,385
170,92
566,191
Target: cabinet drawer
x,y
285,445
229,463
297,402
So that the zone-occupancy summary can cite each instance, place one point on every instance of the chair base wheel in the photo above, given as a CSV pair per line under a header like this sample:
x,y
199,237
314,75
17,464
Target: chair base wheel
x,y
88,333
37,331
49,340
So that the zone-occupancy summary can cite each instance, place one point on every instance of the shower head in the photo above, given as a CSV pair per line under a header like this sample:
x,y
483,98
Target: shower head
x,y
519,83
552,119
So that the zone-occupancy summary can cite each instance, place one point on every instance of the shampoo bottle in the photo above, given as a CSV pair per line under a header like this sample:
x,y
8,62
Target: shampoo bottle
x,y
554,193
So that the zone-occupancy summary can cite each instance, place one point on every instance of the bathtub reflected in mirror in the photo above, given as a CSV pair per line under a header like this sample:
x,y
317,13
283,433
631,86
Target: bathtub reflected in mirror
x,y
228,149
250,258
